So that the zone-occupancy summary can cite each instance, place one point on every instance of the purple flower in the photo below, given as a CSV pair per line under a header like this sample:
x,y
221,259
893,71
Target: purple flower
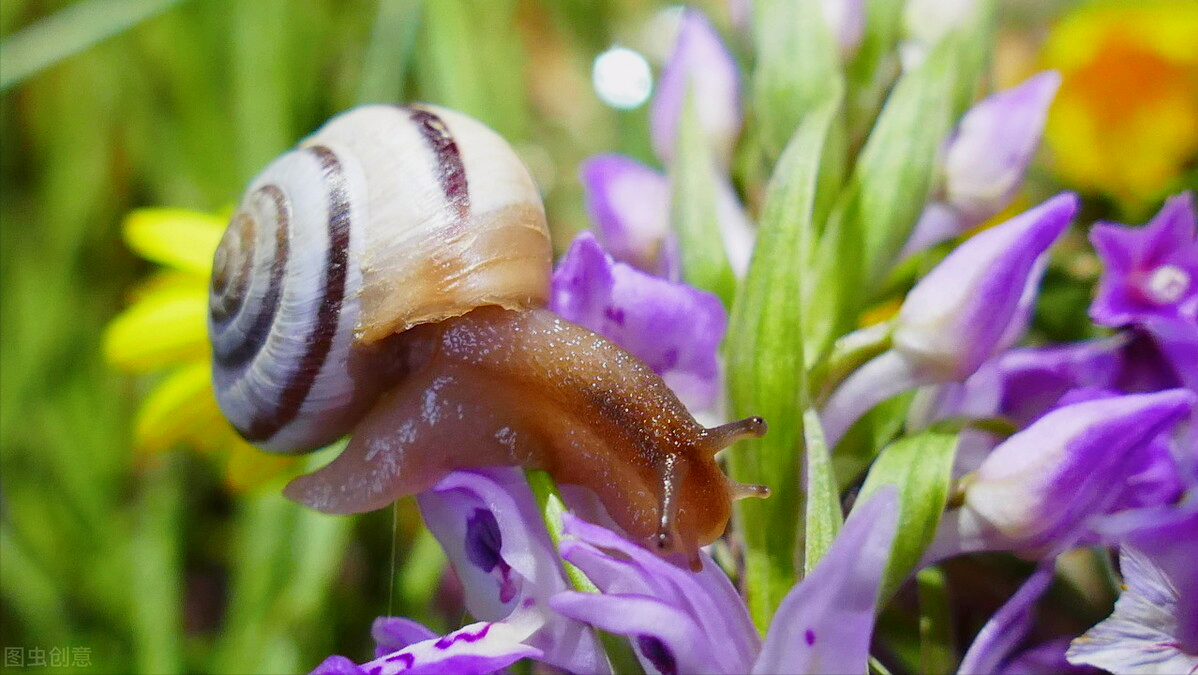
x,y
482,647
629,203
701,65
846,19
1168,536
973,305
1035,378
674,328
685,622
1149,271
1007,627
1039,491
984,160
1142,635
489,525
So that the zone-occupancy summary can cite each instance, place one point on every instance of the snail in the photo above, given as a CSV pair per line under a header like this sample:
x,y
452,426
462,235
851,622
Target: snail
x,y
387,279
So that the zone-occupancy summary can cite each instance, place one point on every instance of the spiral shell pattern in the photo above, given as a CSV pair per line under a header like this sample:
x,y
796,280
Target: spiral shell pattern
x,y
386,217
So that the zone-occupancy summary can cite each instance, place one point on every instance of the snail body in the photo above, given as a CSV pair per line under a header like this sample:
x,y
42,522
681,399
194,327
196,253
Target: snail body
x,y
387,279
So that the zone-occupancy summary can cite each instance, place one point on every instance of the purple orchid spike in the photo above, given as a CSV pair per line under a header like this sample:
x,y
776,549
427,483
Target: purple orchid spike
x,y
674,328
1039,491
984,160
629,204
973,305
702,65
1149,271
1142,635
695,622
489,525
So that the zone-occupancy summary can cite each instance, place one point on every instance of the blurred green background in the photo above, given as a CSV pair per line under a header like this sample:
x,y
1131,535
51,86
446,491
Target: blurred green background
x,y
155,566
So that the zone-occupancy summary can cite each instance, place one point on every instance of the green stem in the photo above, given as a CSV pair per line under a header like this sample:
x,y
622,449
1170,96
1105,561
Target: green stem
x,y
549,502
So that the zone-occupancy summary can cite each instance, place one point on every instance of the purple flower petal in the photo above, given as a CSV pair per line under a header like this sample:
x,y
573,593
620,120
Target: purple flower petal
x,y
1007,627
1038,490
1035,378
1046,658
984,160
489,525
393,633
846,19
993,144
1141,635
699,623
674,328
1150,271
338,665
973,304
482,647
701,64
629,204
825,622
1177,341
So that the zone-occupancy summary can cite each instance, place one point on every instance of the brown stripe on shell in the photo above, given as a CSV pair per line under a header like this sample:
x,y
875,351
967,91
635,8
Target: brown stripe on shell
x,y
254,338
232,267
450,169
324,330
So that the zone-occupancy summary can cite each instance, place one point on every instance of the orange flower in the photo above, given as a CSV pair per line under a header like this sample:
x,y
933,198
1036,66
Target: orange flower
x,y
1125,121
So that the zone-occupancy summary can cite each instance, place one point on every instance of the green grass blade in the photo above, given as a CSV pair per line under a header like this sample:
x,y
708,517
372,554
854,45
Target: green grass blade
x,y
68,32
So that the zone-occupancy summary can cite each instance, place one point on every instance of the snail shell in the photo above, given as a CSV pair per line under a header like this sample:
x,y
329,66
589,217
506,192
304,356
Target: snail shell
x,y
384,218
387,277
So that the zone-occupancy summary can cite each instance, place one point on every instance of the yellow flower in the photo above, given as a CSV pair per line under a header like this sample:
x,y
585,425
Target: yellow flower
x,y
164,330
1125,120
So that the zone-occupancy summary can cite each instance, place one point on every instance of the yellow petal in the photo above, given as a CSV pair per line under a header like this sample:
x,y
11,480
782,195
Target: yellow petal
x,y
167,326
250,468
178,409
179,238
1125,120
165,279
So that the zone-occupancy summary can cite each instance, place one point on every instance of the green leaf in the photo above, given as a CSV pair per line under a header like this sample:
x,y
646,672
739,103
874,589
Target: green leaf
x,y
693,210
936,652
873,69
824,517
766,369
921,467
69,32
389,52
883,200
798,67
262,104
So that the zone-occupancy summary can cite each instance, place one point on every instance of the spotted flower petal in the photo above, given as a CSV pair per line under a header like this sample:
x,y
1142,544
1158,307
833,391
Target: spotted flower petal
x,y
482,647
488,523
674,328
825,622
